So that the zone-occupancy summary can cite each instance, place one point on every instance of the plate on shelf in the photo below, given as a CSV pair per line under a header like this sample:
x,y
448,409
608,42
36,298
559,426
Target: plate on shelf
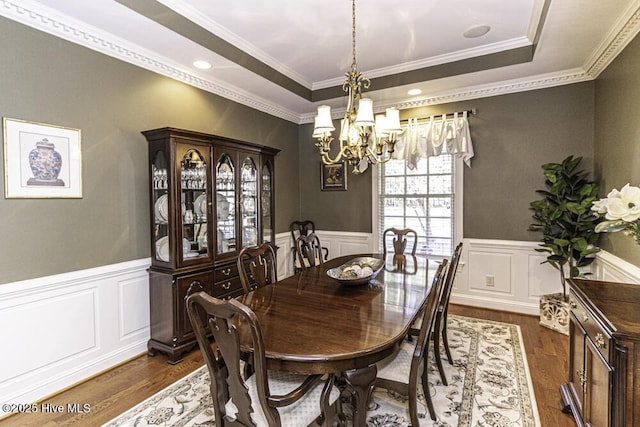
x,y
162,249
161,208
357,271
200,205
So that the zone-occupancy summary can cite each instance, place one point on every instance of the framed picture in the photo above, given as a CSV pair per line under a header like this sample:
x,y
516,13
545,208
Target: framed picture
x,y
41,161
334,177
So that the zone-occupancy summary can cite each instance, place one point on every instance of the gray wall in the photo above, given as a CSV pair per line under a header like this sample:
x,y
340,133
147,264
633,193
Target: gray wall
x,y
617,137
513,135
49,80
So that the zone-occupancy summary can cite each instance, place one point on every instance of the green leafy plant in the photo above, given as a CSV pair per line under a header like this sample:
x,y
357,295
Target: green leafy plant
x,y
565,219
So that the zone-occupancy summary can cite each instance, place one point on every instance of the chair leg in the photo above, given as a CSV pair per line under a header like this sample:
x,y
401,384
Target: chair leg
x,y
425,391
436,351
445,341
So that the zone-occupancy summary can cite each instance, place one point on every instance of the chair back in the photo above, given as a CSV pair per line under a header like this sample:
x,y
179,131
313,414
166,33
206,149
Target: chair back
x,y
219,318
308,251
400,240
451,275
428,317
257,266
303,228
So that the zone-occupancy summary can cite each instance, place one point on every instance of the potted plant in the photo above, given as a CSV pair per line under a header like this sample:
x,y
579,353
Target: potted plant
x,y
567,223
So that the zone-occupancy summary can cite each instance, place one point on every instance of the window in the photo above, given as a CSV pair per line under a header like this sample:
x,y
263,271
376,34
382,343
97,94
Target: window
x,y
426,199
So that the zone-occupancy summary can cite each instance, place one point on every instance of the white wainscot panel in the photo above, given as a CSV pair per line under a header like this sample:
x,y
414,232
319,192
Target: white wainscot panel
x,y
490,272
49,330
134,306
613,269
65,328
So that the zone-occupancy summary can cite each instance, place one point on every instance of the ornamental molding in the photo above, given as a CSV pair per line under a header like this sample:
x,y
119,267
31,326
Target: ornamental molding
x,y
49,21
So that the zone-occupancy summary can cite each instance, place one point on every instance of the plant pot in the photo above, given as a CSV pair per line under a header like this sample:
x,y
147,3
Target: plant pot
x,y
554,312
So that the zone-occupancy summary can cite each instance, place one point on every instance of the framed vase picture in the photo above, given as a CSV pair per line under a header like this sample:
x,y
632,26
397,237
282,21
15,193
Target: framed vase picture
x,y
334,177
41,160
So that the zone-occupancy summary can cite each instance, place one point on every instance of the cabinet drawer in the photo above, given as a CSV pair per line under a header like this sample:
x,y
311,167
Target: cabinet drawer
x,y
225,272
231,287
594,330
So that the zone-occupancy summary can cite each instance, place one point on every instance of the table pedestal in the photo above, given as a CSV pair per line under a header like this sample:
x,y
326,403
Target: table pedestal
x,y
361,382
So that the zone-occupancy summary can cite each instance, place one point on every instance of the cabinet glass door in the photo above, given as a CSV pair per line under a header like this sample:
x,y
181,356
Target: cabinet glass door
x,y
194,205
160,211
248,202
266,202
225,205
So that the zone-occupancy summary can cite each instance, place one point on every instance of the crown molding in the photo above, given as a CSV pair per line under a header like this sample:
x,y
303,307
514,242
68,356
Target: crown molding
x,y
46,20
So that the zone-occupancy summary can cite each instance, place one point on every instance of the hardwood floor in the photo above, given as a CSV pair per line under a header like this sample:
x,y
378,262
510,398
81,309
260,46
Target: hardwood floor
x,y
118,389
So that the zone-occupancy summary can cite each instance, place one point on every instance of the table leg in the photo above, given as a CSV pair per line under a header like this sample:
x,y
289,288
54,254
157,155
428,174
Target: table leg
x,y
362,382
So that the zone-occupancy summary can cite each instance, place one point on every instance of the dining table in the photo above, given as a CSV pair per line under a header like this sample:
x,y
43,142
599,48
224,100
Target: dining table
x,y
314,324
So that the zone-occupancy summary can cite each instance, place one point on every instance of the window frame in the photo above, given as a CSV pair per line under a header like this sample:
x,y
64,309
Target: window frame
x,y
458,197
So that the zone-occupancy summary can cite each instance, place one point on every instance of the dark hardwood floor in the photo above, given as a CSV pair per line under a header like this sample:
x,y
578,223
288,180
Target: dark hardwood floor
x,y
120,388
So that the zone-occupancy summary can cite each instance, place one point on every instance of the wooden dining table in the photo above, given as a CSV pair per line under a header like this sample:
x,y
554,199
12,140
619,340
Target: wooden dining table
x,y
313,324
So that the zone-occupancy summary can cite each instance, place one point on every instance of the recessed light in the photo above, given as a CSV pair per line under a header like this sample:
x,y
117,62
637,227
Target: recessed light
x,y
413,92
477,31
203,65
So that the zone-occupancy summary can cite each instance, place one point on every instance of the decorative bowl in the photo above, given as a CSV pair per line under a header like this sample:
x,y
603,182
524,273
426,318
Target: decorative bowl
x,y
357,271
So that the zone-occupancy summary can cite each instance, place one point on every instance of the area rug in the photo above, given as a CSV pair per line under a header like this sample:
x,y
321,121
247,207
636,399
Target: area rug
x,y
489,385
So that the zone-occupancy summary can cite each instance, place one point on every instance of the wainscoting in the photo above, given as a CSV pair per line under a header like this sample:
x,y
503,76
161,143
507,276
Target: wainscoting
x,y
59,330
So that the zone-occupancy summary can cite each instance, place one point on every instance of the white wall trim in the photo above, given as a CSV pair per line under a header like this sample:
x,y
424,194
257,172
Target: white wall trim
x,y
62,329
613,269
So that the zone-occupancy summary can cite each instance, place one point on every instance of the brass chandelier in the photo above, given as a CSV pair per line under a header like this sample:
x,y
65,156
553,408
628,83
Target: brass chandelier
x,y
363,140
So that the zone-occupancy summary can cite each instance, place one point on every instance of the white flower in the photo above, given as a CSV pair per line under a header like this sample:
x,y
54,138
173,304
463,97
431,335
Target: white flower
x,y
623,205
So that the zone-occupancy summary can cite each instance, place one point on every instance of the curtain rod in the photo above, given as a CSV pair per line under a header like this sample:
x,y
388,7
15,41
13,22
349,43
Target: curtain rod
x,y
447,115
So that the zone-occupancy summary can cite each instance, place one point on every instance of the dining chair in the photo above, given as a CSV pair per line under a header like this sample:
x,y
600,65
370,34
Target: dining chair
x,y
308,251
400,372
257,266
302,228
440,323
266,398
400,240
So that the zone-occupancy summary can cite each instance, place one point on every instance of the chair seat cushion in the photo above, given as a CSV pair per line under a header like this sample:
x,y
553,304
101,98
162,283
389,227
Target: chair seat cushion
x,y
397,367
301,413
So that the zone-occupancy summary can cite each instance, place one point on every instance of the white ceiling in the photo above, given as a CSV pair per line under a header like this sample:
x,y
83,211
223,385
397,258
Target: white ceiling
x,y
307,44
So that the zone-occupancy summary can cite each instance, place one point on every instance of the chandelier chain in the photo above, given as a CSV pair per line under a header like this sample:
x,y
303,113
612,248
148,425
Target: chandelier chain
x,y
354,67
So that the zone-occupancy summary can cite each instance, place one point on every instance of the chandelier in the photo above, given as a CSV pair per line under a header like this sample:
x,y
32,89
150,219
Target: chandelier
x,y
363,140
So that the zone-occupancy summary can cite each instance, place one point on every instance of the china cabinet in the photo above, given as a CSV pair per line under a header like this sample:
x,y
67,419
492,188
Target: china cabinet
x,y
209,197
604,354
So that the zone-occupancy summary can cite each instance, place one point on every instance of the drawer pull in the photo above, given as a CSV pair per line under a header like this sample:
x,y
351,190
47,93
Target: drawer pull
x,y
226,271
600,341
226,286
573,304
585,317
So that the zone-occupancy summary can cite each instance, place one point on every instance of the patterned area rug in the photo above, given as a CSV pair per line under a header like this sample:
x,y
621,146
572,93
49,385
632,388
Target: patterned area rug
x,y
489,385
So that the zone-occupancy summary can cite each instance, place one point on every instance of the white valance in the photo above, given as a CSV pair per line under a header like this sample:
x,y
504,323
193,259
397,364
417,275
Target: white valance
x,y
437,135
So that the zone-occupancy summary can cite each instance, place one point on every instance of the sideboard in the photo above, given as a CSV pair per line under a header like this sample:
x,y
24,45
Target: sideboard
x,y
604,354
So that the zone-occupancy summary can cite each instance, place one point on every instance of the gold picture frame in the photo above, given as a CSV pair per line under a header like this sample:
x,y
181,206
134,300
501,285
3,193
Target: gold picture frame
x,y
41,160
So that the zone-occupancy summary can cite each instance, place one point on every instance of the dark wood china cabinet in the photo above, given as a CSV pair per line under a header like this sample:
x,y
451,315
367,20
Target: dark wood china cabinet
x,y
210,197
603,388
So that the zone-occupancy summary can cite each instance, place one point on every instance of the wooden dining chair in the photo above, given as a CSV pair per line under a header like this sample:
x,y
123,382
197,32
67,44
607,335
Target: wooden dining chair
x,y
400,372
308,251
400,240
440,323
257,266
303,228
266,398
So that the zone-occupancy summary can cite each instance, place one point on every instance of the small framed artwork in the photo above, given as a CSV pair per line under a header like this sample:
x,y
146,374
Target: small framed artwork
x,y
41,161
334,177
